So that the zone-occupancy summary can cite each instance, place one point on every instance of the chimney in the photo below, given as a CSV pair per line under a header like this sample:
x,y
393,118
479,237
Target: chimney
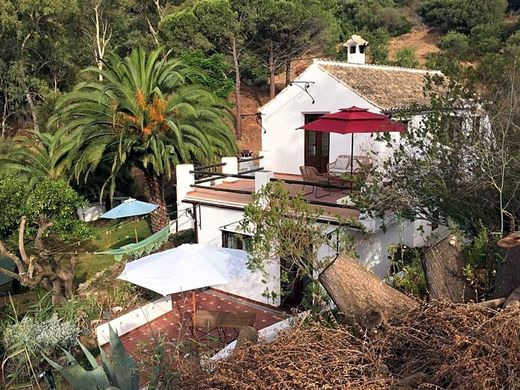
x,y
356,48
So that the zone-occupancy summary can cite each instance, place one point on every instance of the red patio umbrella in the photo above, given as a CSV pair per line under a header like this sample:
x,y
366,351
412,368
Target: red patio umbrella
x,y
354,120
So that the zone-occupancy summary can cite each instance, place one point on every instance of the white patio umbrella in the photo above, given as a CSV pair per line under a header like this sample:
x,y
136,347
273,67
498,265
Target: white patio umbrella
x,y
185,268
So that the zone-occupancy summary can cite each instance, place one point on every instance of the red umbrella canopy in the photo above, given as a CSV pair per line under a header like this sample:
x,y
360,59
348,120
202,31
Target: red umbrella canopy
x,y
354,120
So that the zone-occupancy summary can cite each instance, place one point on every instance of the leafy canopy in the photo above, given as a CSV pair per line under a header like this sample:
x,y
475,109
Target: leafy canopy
x,y
147,112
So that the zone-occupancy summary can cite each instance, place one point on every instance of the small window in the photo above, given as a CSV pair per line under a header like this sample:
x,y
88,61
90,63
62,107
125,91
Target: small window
x,y
352,49
362,49
234,240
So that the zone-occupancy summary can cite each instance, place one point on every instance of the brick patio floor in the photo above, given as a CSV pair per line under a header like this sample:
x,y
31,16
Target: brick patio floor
x,y
174,325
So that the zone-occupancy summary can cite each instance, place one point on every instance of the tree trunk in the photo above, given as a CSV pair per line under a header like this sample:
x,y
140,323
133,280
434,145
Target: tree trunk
x,y
272,74
154,192
508,273
443,266
32,107
359,293
287,73
238,96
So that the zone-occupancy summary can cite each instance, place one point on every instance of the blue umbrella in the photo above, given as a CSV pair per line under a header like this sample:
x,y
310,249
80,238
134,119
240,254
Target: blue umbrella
x,y
130,208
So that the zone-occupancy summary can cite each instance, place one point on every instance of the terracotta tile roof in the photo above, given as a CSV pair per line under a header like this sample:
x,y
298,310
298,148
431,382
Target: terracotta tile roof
x,y
387,87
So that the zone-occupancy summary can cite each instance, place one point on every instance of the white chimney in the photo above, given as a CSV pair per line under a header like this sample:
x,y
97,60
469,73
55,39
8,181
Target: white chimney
x,y
356,48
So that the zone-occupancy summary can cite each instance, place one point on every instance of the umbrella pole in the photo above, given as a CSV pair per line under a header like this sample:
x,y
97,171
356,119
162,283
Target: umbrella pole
x,y
352,157
194,305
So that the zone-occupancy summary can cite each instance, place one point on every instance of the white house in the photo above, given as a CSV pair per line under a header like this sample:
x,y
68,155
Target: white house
x,y
325,87
216,203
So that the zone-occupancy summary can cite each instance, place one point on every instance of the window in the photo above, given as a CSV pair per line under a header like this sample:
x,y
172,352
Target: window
x,y
362,49
352,49
233,240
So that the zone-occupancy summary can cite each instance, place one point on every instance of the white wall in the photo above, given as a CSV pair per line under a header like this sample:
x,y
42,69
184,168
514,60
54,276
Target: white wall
x,y
283,145
134,319
372,248
91,212
249,284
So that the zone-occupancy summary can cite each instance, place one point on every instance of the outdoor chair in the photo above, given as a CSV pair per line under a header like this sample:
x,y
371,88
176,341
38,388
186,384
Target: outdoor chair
x,y
362,163
340,166
311,175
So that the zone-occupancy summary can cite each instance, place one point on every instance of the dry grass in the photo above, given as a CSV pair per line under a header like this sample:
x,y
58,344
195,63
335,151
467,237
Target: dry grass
x,y
438,346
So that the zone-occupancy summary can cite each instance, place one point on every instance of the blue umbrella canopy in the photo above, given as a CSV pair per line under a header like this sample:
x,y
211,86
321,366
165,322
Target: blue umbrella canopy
x,y
130,208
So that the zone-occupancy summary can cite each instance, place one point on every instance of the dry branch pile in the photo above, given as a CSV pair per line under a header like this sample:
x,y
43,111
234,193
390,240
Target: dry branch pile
x,y
436,346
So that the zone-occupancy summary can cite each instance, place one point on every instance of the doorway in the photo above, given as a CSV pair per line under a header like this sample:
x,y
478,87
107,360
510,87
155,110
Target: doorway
x,y
317,146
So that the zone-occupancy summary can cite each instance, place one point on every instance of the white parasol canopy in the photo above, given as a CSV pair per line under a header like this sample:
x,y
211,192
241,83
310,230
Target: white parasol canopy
x,y
185,268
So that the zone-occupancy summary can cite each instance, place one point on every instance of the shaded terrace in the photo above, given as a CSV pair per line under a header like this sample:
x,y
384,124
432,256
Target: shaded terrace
x,y
214,190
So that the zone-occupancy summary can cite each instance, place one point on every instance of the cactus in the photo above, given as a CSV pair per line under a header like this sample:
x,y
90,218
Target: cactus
x,y
120,374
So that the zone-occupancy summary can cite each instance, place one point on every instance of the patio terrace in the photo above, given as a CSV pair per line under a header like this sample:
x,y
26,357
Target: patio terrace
x,y
237,194
174,325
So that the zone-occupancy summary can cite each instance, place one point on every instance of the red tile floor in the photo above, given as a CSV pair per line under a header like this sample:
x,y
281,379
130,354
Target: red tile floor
x,y
175,325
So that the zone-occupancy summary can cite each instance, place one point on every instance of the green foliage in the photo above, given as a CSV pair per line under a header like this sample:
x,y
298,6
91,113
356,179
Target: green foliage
x,y
355,16
406,57
216,72
25,341
441,169
152,121
482,258
34,157
120,374
286,227
54,200
461,15
456,45
407,271
287,29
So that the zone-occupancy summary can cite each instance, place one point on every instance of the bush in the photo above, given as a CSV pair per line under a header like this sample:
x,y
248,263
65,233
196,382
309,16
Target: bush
x,y
26,341
455,44
407,271
407,57
461,15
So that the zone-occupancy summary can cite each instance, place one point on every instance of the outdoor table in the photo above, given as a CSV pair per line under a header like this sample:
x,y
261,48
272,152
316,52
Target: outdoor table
x,y
207,321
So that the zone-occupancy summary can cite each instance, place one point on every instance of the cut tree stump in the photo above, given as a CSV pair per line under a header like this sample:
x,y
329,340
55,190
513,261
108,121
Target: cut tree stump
x,y
358,292
443,267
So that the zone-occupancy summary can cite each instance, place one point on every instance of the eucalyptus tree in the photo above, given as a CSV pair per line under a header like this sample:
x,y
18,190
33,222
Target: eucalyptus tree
x,y
146,113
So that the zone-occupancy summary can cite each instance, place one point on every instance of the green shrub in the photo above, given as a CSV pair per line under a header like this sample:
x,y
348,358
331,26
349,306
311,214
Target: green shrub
x,y
26,340
406,57
461,15
407,271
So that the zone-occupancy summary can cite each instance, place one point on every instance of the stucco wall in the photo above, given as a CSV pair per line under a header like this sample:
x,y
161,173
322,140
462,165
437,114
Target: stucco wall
x,y
249,284
283,145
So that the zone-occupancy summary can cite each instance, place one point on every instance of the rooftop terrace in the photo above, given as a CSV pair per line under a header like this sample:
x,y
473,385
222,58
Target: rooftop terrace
x,y
237,194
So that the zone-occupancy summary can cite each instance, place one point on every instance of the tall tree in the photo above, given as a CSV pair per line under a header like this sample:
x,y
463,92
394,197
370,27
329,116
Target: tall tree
x,y
37,52
221,26
287,29
147,114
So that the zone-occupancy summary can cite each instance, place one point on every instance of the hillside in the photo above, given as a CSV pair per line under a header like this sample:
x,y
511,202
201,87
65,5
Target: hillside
x,y
421,39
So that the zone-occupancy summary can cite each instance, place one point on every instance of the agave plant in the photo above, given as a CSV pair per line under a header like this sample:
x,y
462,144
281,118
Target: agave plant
x,y
120,374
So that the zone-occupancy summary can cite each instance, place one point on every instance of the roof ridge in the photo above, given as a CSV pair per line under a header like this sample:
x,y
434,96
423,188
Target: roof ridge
x,y
322,61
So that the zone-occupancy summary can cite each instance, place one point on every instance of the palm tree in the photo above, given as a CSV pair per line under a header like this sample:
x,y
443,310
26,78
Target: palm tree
x,y
146,113
36,156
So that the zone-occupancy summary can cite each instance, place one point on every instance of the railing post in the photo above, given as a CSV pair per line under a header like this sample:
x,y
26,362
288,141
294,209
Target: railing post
x,y
184,181
231,168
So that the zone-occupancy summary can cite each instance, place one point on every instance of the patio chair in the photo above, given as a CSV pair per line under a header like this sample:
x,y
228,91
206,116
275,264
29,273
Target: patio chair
x,y
362,163
340,166
311,175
